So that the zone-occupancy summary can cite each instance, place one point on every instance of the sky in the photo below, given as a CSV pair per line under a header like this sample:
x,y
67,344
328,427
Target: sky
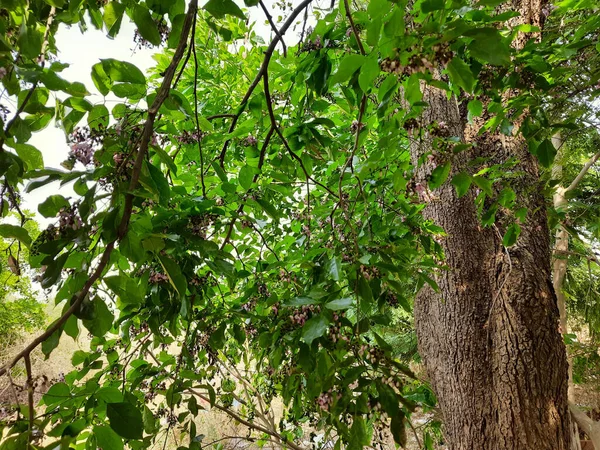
x,y
82,51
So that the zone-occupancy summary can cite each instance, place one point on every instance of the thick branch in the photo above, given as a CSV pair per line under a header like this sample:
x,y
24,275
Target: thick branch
x,y
589,426
583,171
143,148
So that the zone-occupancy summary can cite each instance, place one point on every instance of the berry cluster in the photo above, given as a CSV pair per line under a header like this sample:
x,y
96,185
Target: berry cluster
x,y
82,142
144,328
157,277
190,137
3,109
163,31
249,141
372,354
300,315
335,331
68,218
370,272
199,224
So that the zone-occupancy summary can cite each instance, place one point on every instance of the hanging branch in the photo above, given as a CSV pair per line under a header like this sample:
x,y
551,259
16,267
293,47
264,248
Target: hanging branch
x,y
261,72
161,95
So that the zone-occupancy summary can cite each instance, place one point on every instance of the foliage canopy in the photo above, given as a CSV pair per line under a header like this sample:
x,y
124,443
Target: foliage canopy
x,y
246,216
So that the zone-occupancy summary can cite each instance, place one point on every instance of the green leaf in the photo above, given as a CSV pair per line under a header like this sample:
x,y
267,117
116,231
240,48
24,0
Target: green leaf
x,y
314,328
113,16
125,419
340,303
122,71
218,9
335,268
484,184
146,25
58,393
30,41
546,152
461,75
348,65
269,209
101,321
358,434
162,185
507,197
52,205
412,91
246,176
107,438
511,235
398,429
101,79
368,73
51,342
364,291
462,182
173,271
125,287
432,5
439,175
15,232
98,117
475,108
489,46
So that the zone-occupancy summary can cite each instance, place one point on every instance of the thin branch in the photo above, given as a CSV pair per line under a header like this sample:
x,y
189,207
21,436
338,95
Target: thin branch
x,y
585,423
277,33
29,384
284,140
591,258
261,72
239,419
199,140
161,96
240,209
353,27
583,171
220,116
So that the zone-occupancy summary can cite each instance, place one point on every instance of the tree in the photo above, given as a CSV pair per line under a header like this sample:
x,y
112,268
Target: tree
x,y
246,235
20,310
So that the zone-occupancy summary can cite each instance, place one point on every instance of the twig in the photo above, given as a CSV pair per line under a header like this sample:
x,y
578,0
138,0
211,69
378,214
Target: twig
x,y
353,27
240,209
270,19
583,171
199,140
284,140
245,422
29,384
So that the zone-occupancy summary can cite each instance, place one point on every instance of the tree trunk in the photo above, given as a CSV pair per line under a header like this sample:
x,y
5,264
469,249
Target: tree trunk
x,y
490,338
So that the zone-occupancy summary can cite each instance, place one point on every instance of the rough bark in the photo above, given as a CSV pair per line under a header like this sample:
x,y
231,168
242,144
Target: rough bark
x,y
490,338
